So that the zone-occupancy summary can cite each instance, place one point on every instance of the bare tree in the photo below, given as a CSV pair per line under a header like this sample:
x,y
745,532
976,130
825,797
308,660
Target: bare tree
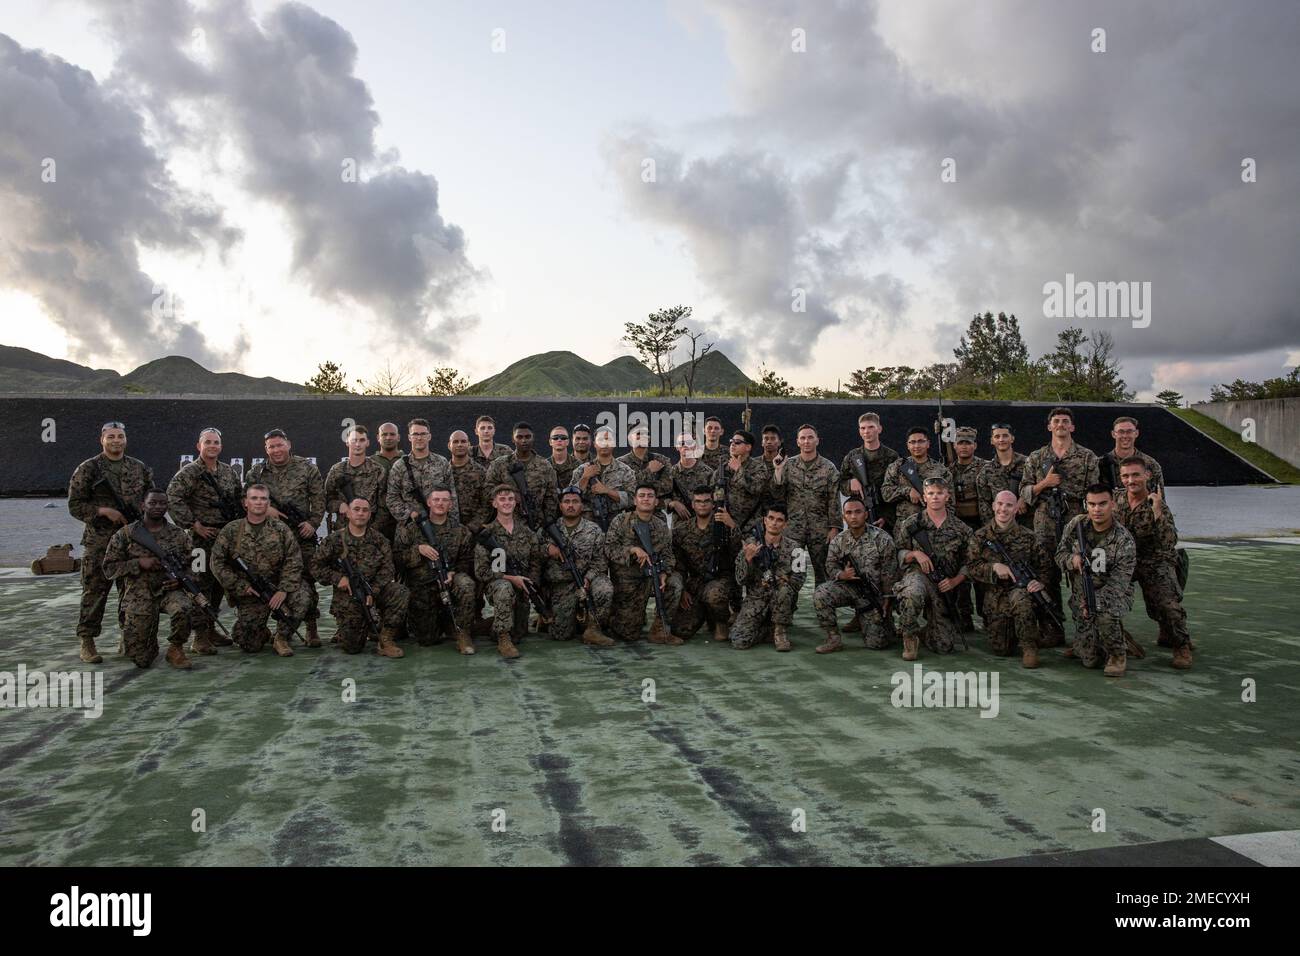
x,y
389,381
692,366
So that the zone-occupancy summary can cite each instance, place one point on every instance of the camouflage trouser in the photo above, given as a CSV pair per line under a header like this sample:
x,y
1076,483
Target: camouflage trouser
x,y
95,588
390,602
965,606
141,609
923,612
1095,638
817,545
207,581
1045,530
510,607
710,605
877,631
1164,600
251,632
631,594
566,600
1010,616
761,608
308,547
423,618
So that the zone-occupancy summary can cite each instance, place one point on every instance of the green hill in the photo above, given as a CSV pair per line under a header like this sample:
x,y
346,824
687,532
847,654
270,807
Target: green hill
x,y
22,370
567,374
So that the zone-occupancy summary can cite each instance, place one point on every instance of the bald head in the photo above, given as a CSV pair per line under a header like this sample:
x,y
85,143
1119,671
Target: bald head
x,y
458,445
1005,505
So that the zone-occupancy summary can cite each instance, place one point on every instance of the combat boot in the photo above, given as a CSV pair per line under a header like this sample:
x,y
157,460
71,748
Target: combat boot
x,y
202,643
1028,656
722,631
833,642
89,655
1182,657
281,646
313,638
507,647
657,633
387,646
1115,665
779,639
854,626
594,636
176,658
911,647
464,643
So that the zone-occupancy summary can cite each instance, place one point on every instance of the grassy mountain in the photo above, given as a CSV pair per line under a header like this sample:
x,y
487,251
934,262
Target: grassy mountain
x,y
567,374
22,370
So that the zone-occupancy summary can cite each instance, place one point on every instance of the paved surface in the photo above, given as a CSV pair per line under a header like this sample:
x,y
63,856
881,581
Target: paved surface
x,y
713,772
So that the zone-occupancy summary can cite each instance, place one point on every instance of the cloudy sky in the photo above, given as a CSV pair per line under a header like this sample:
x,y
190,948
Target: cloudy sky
x,y
175,177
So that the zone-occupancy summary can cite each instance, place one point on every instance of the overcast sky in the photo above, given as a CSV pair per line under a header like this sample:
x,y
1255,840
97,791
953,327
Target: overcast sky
x,y
200,156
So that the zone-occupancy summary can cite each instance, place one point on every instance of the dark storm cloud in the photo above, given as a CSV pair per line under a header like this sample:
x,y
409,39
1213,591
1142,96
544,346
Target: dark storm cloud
x,y
71,231
285,92
1122,165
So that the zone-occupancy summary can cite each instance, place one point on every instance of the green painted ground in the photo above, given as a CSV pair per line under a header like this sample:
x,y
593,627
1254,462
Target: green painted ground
x,y
712,773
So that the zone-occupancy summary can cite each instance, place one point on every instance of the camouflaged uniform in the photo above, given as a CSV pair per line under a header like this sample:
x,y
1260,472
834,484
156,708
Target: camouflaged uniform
x,y
132,478
810,490
1112,579
996,478
374,559
877,462
411,480
632,586
875,557
616,476
456,545
297,482
964,498
383,521
919,599
369,480
587,542
1109,468
771,583
662,479
472,495
746,489
683,482
1009,612
272,550
714,458
191,498
498,451
543,505
148,592
564,469
1078,469
509,604
710,594
897,489
1156,540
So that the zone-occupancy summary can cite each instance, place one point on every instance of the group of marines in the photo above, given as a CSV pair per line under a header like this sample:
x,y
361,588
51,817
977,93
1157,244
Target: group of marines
x,y
418,544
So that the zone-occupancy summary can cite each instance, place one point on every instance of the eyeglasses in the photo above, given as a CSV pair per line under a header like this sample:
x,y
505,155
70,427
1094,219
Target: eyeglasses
x,y
107,425
559,438
582,428
274,433
933,481
996,425
215,431
738,441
